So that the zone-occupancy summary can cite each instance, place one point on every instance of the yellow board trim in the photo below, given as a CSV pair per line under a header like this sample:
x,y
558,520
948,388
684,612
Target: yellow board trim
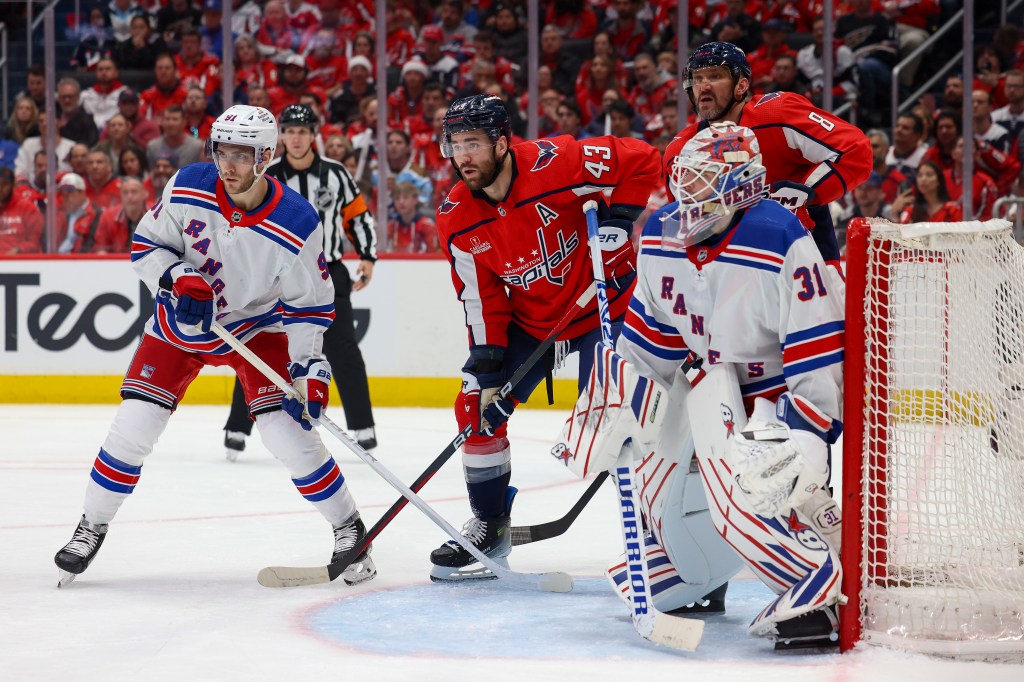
x,y
216,390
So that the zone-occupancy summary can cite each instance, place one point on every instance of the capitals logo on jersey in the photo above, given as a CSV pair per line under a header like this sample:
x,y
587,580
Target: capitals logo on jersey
x,y
547,154
447,206
550,257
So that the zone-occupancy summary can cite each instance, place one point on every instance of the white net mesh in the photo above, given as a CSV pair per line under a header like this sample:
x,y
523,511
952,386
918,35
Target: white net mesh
x,y
943,440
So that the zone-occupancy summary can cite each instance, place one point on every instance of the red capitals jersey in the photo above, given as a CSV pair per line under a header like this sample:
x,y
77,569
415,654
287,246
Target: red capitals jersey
x,y
799,143
534,241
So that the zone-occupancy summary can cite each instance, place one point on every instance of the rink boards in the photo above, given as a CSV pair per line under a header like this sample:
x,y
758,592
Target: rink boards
x,y
70,326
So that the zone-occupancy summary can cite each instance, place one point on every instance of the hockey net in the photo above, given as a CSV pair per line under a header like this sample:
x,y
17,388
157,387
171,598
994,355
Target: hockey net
x,y
933,457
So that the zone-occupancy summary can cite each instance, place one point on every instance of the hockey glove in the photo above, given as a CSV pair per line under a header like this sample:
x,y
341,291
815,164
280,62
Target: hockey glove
x,y
313,384
194,297
796,198
776,466
617,253
481,402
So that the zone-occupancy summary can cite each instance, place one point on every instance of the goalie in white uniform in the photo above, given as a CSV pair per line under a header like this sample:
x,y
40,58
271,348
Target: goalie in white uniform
x,y
732,278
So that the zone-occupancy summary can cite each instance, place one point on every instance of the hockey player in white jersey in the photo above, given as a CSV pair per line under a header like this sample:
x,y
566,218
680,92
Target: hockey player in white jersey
x,y
733,278
226,243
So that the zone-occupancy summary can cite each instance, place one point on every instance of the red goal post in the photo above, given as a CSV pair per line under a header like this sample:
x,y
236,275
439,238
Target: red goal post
x,y
933,454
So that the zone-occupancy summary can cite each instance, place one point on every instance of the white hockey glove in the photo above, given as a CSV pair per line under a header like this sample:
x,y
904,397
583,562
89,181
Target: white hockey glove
x,y
776,466
617,404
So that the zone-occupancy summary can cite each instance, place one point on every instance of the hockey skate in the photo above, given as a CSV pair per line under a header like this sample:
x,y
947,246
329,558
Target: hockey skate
x,y
367,438
345,538
76,556
234,444
491,535
814,632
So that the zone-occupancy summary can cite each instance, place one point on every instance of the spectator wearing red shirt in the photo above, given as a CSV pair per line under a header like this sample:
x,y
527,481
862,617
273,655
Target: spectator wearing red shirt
x,y
410,230
406,100
423,123
483,45
984,191
928,201
77,212
761,60
117,223
301,14
197,122
291,84
21,223
251,68
628,33
196,67
947,132
344,20
142,129
166,91
399,43
652,88
325,69
426,153
573,18
103,188
276,34
892,177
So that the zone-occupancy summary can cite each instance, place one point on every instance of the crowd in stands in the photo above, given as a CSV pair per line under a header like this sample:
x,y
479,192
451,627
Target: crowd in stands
x,y
606,67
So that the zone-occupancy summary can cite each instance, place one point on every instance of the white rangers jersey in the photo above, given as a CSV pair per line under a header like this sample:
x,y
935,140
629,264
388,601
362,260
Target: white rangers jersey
x,y
759,296
266,268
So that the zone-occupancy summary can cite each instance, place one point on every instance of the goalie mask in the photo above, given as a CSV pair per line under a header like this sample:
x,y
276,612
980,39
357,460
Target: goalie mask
x,y
716,173
248,126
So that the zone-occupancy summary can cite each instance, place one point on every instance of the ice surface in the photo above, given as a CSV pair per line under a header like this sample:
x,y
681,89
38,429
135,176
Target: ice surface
x,y
173,592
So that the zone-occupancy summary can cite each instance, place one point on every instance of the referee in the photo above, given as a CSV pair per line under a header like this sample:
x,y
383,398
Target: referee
x,y
332,192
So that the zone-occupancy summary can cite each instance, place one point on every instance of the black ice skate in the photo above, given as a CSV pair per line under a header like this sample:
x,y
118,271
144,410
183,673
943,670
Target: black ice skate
x,y
367,438
712,602
814,632
76,556
491,535
345,538
234,444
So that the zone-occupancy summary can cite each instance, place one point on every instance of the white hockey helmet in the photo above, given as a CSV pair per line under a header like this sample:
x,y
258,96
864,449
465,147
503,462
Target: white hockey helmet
x,y
245,125
717,171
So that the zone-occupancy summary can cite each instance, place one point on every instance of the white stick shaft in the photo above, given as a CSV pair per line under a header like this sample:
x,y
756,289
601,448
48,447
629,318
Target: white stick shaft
x,y
381,470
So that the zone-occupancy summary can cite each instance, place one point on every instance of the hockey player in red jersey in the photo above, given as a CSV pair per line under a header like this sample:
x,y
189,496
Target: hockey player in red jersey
x,y
514,232
811,157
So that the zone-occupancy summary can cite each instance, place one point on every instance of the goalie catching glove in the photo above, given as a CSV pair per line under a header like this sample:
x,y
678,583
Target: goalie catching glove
x,y
312,382
780,459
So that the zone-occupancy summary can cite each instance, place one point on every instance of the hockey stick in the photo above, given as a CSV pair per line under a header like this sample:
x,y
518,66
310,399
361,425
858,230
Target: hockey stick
x,y
549,582
651,624
295,576
524,535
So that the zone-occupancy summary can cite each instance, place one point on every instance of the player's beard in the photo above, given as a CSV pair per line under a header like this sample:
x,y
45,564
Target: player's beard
x,y
486,172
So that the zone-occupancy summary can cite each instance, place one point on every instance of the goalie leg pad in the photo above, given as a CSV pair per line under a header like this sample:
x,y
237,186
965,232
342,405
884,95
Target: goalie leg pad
x,y
313,470
618,404
118,466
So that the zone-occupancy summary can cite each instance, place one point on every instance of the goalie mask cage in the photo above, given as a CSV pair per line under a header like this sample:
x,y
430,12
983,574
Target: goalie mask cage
x,y
933,474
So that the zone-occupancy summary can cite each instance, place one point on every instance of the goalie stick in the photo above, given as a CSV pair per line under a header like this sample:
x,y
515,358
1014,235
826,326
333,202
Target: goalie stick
x,y
296,576
649,623
524,535
549,582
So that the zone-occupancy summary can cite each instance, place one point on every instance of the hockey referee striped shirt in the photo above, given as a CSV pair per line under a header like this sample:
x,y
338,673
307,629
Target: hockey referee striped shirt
x,y
327,185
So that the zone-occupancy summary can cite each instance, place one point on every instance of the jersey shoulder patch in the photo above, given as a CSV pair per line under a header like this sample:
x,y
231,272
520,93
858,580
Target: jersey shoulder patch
x,y
294,215
767,98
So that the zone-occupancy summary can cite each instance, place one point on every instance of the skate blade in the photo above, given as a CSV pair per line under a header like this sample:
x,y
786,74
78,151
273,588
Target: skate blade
x,y
367,571
455,574
232,455
65,578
